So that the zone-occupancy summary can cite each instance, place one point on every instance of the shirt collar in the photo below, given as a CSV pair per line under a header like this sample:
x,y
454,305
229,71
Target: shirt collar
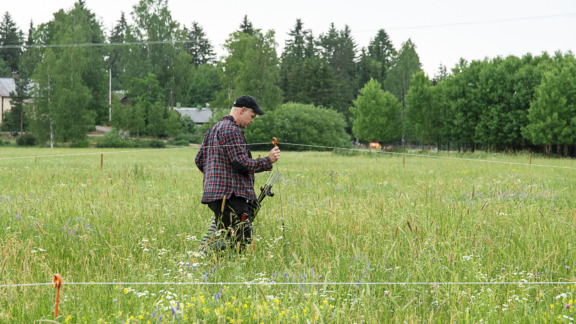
x,y
230,118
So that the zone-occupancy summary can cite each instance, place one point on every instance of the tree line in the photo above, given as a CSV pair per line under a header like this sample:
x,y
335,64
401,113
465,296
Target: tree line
x,y
373,93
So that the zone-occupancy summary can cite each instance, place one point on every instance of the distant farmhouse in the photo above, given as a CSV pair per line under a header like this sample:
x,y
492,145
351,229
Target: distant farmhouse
x,y
7,85
198,115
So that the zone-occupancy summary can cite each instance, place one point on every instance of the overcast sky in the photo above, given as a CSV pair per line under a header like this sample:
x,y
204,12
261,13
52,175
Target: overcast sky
x,y
442,30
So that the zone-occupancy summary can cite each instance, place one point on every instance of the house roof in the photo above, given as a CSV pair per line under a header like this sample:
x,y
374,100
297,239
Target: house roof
x,y
198,115
7,85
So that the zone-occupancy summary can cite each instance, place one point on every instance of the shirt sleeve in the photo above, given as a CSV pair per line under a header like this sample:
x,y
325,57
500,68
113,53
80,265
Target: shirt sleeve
x,y
199,160
237,151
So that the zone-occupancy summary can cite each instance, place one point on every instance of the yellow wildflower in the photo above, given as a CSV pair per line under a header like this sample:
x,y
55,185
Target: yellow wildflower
x,y
68,319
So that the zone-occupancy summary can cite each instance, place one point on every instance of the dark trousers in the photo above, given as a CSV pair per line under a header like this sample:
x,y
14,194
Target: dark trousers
x,y
235,219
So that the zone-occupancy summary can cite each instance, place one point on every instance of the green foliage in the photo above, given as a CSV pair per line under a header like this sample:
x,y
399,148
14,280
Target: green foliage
x,y
10,35
400,73
15,119
422,109
198,45
157,143
205,83
551,114
479,105
70,80
300,124
188,125
81,143
339,50
189,138
112,139
376,114
147,112
251,67
27,139
377,60
5,71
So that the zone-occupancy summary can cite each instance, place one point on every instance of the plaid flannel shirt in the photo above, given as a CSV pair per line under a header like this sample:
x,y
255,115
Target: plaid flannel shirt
x,y
227,164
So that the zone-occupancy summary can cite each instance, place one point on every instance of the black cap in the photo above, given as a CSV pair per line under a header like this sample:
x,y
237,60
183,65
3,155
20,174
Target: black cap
x,y
248,102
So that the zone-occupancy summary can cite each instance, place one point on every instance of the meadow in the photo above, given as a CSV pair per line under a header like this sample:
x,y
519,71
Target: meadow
x,y
348,238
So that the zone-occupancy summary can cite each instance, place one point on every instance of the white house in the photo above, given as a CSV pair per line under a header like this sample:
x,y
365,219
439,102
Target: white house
x,y
7,85
199,115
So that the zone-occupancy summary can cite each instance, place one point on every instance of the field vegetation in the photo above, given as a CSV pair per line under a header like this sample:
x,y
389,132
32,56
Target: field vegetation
x,y
349,237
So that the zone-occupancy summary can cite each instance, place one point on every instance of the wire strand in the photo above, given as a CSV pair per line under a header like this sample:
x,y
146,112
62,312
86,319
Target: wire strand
x,y
311,146
246,283
173,42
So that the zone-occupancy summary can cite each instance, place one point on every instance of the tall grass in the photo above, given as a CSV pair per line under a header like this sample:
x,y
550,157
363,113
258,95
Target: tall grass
x,y
366,238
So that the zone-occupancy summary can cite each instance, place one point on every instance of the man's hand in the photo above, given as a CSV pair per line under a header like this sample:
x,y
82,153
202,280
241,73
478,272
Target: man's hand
x,y
274,154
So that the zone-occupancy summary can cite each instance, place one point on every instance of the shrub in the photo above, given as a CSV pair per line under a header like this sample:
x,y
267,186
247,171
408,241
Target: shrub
x,y
191,138
27,139
157,144
81,143
180,142
112,139
301,124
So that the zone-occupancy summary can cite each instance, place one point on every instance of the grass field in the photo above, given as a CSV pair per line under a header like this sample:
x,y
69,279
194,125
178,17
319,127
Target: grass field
x,y
368,238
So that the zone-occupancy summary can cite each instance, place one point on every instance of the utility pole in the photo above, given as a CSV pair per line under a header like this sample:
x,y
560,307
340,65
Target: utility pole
x,y
110,98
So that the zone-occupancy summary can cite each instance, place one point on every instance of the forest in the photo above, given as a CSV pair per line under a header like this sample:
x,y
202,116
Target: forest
x,y
320,89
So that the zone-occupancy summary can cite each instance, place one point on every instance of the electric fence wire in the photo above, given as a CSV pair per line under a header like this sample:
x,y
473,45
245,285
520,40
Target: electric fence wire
x,y
312,146
320,283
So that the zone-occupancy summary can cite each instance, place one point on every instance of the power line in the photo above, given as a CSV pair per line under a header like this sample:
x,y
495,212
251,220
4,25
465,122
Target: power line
x,y
172,41
482,22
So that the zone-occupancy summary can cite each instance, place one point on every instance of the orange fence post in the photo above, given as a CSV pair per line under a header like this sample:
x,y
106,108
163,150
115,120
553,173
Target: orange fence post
x,y
57,284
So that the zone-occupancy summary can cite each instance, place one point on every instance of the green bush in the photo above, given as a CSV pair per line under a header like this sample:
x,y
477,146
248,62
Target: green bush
x,y
27,139
81,143
156,144
180,142
112,139
300,124
191,138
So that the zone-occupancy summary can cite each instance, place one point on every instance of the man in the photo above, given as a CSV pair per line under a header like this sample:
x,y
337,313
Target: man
x,y
228,168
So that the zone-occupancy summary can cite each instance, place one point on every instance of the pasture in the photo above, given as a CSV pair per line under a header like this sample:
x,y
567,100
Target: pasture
x,y
367,238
